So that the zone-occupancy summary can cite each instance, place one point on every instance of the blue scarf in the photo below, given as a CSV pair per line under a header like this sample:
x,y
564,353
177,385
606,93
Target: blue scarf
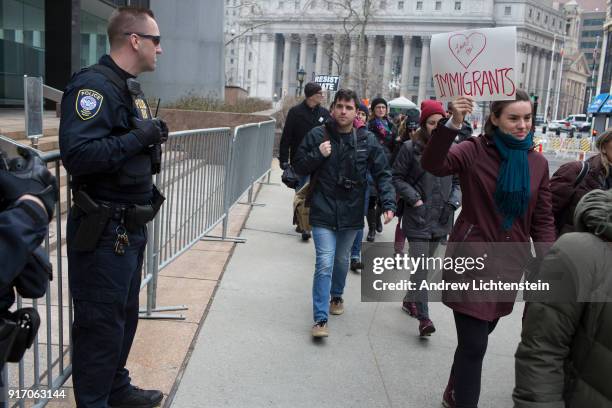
x,y
512,192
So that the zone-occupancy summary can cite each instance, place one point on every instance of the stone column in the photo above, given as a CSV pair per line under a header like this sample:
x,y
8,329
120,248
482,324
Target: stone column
x,y
319,57
423,79
337,55
535,72
286,64
528,68
405,66
303,50
542,77
370,66
353,62
387,65
255,69
267,66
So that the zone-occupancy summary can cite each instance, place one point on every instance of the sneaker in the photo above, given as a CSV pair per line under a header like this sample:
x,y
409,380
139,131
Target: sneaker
x,y
410,308
306,236
448,398
426,327
356,265
137,398
336,306
371,235
320,329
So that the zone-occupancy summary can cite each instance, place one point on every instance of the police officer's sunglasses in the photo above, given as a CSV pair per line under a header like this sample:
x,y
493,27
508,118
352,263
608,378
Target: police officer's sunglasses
x,y
155,38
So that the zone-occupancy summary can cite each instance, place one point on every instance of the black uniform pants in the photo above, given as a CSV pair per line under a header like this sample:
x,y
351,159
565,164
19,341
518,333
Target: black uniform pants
x,y
104,288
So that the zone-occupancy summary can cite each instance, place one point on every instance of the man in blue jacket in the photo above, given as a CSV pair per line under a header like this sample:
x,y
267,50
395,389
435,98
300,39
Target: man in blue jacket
x,y
338,157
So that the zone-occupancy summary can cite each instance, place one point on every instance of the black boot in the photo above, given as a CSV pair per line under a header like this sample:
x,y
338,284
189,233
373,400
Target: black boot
x,y
371,217
356,265
137,398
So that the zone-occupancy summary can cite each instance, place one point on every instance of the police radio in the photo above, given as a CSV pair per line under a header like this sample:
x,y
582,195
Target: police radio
x,y
144,113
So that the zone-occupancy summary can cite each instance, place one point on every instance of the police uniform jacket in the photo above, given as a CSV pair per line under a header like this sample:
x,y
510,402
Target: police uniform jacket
x,y
97,146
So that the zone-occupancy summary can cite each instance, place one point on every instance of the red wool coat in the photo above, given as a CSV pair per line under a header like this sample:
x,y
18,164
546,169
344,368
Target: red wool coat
x,y
476,161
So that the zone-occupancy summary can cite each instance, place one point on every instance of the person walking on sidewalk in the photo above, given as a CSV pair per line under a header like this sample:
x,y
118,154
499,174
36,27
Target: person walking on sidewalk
x,y
429,205
564,358
574,179
338,158
356,265
300,120
383,129
109,143
406,132
506,199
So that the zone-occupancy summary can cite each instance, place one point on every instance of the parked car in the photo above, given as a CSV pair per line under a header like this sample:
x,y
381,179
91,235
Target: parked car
x,y
539,120
579,121
562,125
585,127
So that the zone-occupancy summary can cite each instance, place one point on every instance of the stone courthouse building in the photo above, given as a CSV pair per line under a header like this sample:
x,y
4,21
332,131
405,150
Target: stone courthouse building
x,y
384,50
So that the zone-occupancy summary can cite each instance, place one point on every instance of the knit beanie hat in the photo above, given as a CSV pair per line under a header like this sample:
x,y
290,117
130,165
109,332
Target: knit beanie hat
x,y
311,88
430,107
412,119
377,101
362,108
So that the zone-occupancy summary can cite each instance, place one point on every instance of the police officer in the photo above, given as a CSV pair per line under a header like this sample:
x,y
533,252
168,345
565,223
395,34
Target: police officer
x,y
108,143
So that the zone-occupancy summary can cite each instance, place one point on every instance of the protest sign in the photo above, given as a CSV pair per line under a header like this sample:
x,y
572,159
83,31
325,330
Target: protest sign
x,y
328,82
478,63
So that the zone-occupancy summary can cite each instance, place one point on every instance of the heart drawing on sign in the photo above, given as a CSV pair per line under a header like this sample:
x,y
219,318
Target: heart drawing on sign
x,y
467,48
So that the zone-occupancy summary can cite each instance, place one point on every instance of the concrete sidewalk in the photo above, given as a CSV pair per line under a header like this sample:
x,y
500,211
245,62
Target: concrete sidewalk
x,y
254,348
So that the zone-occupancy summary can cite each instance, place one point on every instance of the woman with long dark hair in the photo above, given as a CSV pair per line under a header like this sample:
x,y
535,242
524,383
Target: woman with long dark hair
x,y
506,198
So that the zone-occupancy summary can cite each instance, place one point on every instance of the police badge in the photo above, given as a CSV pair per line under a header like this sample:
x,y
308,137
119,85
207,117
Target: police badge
x,y
88,103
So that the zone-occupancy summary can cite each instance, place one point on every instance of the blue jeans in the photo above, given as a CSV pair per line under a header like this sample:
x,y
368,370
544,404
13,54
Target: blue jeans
x,y
332,250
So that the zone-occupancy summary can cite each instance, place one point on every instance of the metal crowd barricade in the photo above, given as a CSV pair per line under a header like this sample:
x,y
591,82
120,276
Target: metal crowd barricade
x,y
251,158
48,363
203,175
194,169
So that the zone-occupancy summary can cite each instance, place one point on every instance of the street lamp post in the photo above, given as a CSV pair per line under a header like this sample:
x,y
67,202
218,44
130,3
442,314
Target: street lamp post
x,y
300,77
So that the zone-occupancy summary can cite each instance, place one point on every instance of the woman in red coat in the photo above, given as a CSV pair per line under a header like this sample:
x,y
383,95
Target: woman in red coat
x,y
506,199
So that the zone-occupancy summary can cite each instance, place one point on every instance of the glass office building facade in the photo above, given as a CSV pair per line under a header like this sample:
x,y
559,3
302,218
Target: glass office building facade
x,y
22,46
27,48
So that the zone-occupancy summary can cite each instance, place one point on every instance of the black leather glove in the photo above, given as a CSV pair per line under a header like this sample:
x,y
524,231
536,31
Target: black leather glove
x,y
446,213
28,175
147,131
34,279
163,128
284,165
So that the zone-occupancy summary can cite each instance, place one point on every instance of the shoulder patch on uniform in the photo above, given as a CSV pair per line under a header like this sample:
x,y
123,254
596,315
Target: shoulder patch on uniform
x,y
88,103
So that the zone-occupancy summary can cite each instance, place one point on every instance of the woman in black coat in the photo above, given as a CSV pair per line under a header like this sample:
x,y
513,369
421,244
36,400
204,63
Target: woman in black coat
x,y
429,203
